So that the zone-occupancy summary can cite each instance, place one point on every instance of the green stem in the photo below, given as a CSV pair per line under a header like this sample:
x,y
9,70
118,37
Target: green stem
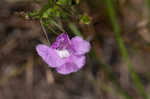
x,y
123,50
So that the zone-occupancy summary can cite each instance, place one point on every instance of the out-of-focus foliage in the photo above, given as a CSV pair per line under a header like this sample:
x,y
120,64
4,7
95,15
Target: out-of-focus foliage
x,y
64,2
56,11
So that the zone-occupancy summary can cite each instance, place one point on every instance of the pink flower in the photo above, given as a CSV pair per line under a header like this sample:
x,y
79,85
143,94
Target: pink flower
x,y
65,55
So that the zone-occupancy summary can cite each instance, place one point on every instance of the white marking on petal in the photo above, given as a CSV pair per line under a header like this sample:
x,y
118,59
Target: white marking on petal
x,y
63,53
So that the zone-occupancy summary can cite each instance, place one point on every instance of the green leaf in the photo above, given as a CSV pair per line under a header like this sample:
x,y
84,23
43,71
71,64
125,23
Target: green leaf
x,y
45,8
64,2
52,12
33,14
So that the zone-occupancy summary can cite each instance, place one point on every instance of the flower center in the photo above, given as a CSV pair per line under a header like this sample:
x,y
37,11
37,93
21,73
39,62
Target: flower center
x,y
63,53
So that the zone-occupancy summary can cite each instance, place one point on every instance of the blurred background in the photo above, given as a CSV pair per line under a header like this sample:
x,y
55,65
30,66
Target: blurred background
x,y
107,73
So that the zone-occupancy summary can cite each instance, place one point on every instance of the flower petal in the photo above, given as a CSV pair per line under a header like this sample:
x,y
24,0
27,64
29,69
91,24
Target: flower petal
x,y
79,45
78,60
62,41
73,64
49,55
67,68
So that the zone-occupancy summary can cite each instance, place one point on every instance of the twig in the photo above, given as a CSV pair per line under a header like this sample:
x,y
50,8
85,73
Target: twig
x,y
44,31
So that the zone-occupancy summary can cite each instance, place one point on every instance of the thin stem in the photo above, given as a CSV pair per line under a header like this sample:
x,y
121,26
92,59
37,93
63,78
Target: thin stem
x,y
44,31
74,29
123,50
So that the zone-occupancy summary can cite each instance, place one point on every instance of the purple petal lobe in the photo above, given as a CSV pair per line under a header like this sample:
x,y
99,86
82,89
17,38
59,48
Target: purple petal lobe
x,y
62,41
67,68
79,45
73,64
49,55
78,60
